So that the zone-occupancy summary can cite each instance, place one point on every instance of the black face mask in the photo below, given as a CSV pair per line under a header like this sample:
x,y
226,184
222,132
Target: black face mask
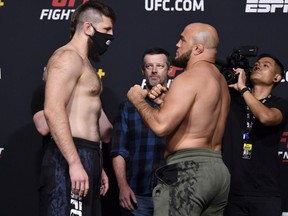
x,y
101,41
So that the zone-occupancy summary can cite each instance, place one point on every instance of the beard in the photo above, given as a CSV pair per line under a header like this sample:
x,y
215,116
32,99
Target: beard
x,y
182,60
92,51
151,82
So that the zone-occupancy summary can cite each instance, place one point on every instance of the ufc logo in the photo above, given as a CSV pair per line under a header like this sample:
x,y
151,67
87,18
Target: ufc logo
x,y
65,3
173,71
284,138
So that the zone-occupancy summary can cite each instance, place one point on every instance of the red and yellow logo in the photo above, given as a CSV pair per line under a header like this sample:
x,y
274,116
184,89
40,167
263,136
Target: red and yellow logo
x,y
66,3
61,9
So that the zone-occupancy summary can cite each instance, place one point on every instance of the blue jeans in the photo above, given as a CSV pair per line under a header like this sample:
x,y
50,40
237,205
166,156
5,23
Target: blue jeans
x,y
144,207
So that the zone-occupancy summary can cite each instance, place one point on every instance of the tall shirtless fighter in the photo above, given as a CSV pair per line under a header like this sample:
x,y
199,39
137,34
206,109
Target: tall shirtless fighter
x,y
72,164
192,115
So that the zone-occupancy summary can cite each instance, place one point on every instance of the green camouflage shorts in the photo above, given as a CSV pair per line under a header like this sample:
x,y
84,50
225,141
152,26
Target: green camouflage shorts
x,y
194,182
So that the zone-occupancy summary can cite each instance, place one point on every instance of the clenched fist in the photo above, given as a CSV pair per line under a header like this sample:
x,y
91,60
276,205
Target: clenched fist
x,y
157,93
135,93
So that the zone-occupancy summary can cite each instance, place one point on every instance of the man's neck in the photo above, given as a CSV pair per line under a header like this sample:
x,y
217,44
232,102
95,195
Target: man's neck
x,y
197,60
80,46
261,92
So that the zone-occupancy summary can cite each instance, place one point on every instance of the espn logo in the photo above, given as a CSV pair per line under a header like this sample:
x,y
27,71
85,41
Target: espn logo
x,y
266,6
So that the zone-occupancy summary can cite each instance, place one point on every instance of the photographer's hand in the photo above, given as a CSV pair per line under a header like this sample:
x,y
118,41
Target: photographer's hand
x,y
241,83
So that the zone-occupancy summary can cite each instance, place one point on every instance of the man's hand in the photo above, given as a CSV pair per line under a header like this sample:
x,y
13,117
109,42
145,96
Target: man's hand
x,y
136,92
157,93
126,197
241,83
104,183
79,179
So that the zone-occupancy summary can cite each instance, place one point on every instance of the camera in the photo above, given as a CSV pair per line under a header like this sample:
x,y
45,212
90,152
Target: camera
x,y
238,59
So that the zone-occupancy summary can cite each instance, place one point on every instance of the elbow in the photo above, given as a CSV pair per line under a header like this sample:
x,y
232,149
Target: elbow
x,y
269,120
265,122
40,123
161,130
44,130
107,135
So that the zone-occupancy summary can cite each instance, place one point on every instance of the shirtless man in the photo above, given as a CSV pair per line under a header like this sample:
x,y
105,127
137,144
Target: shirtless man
x,y
192,116
72,164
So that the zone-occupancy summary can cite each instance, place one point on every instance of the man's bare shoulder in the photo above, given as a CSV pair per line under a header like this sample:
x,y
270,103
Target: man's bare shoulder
x,y
192,75
66,52
66,58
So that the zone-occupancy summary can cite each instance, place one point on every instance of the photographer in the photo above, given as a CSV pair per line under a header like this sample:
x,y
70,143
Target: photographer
x,y
250,145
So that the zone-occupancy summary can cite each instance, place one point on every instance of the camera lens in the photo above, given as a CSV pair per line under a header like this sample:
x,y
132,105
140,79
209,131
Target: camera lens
x,y
230,76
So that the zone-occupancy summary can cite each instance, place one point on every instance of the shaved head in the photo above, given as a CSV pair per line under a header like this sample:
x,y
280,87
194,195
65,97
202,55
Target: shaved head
x,y
197,41
202,33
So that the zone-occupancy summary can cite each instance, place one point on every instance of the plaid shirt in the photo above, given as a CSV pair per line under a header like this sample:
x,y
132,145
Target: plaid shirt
x,y
142,150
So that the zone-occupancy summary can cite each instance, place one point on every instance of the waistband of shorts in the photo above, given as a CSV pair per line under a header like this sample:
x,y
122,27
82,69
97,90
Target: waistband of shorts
x,y
79,142
193,153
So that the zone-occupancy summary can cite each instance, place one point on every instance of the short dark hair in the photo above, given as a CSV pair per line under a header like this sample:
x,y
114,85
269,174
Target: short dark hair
x,y
156,51
97,5
279,65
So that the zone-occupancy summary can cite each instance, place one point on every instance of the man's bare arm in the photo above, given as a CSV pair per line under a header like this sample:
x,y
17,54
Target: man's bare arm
x,y
105,128
60,82
40,123
176,104
125,193
104,183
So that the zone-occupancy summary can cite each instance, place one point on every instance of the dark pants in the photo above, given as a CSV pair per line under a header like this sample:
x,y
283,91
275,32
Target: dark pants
x,y
253,206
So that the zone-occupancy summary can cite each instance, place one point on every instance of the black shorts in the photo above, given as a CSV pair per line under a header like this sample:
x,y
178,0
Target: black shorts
x,y
55,188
